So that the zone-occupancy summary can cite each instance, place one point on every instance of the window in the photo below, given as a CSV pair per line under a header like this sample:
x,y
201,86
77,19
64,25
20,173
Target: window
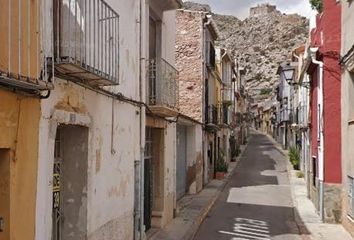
x,y
351,98
210,53
314,171
350,210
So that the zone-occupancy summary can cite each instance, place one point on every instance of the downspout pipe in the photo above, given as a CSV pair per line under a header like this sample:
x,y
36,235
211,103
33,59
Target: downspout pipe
x,y
320,149
204,104
142,62
139,228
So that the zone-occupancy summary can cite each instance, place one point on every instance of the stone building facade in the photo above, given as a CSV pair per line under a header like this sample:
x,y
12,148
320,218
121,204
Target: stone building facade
x,y
347,87
262,9
198,94
74,126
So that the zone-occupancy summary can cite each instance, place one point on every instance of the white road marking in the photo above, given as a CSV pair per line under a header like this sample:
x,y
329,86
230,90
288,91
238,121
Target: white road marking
x,y
243,236
249,229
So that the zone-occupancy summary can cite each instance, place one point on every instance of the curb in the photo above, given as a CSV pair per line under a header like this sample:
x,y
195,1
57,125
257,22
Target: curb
x,y
190,234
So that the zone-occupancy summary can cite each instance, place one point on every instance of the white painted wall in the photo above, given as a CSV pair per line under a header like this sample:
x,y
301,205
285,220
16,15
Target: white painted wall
x,y
347,93
169,37
110,186
170,157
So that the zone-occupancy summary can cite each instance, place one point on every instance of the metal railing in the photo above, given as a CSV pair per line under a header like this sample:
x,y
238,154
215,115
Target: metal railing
x,y
284,115
23,60
226,93
86,35
212,115
224,114
163,86
303,115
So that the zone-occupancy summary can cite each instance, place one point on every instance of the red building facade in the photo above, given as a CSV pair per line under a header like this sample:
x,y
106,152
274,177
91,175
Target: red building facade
x,y
326,175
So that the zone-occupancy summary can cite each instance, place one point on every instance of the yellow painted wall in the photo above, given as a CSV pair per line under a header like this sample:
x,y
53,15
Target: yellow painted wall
x,y
19,128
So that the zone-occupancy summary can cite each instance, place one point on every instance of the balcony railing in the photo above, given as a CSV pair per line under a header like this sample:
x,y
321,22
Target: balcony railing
x,y
23,59
163,86
86,45
284,115
227,94
224,110
303,116
212,115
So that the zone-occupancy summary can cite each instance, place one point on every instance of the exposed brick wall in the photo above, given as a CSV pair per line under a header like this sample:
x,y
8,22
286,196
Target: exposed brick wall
x,y
189,62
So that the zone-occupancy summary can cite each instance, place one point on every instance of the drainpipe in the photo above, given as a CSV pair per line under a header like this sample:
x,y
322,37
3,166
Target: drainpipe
x,y
204,143
321,122
139,228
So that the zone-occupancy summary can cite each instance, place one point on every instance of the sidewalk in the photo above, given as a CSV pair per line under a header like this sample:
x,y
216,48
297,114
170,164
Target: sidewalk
x,y
308,221
194,209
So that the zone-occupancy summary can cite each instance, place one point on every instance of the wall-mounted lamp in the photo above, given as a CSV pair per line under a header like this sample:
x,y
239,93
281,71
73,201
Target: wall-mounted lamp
x,y
289,73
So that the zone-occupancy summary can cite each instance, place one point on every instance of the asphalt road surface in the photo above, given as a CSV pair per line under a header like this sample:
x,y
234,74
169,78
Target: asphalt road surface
x,y
256,203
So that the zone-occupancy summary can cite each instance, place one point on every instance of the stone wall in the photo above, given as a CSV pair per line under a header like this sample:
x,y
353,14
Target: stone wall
x,y
262,9
332,203
189,63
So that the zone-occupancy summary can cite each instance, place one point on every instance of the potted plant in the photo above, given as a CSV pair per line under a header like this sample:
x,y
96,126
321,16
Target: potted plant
x,y
221,167
294,156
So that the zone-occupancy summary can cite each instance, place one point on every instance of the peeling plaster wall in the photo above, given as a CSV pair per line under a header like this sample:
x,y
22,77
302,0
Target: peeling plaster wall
x,y
110,160
170,173
110,167
195,159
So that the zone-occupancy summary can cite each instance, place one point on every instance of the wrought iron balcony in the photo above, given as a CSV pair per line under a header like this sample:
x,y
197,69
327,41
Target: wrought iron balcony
x,y
224,110
212,115
86,48
284,115
22,51
163,86
227,94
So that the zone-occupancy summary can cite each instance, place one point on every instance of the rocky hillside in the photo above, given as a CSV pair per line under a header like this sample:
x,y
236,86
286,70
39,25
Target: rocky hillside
x,y
260,42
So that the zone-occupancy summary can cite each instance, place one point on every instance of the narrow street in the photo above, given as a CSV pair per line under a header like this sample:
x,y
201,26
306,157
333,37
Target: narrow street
x,y
256,203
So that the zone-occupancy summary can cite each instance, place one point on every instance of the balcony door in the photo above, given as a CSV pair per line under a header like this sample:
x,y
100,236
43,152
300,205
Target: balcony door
x,y
152,38
152,61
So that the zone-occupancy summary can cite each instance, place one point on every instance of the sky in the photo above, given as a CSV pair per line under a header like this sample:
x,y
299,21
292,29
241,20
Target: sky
x,y
240,8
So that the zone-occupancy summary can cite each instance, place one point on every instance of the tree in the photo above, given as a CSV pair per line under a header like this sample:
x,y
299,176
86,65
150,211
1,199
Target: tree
x,y
317,5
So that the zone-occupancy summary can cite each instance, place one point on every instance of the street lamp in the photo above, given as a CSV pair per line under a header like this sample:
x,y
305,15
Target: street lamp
x,y
289,72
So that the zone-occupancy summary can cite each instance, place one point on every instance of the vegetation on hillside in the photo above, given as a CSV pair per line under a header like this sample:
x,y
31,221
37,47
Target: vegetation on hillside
x,y
317,5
